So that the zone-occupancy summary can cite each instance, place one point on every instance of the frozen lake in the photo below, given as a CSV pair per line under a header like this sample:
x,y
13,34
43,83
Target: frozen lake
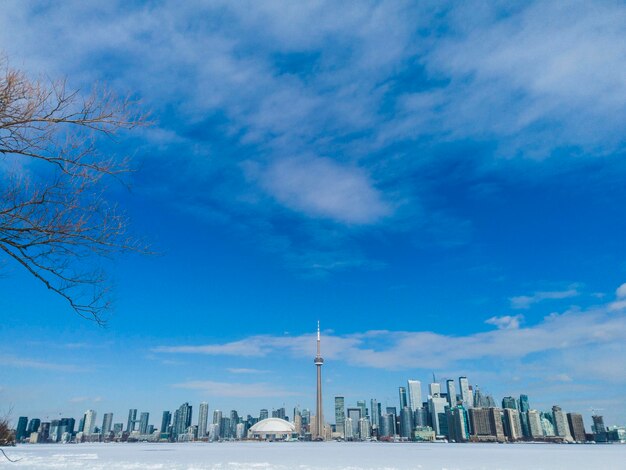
x,y
317,456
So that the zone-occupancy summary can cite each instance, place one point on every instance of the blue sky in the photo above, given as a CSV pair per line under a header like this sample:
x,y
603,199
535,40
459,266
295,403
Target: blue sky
x,y
441,185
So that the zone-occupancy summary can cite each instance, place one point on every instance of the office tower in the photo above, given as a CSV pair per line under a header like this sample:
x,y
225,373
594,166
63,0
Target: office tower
x,y
451,389
33,426
512,424
375,412
225,428
54,435
535,428
166,419
510,403
406,423
279,413
524,405
234,420
90,422
203,419
486,423
576,426
319,425
434,390
306,417
182,419
20,431
107,422
263,414
349,429
437,408
217,421
402,395
143,422
458,424
415,394
420,416
598,428
81,424
355,415
132,417
340,415
365,428
561,428
466,395
44,431
388,425
547,424
118,428
361,404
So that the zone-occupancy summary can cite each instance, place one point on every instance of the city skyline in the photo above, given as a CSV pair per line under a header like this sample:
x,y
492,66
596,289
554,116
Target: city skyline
x,y
441,185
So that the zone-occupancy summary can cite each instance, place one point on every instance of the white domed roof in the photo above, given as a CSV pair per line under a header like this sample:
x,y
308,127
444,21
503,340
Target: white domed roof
x,y
273,426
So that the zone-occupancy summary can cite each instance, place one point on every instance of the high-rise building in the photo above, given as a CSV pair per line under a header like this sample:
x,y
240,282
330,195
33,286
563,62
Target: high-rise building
x,y
90,422
458,424
132,418
466,395
365,428
263,414
576,426
451,390
524,405
166,419
143,422
107,423
33,426
561,428
375,414
355,415
437,409
415,394
319,407
361,404
486,423
598,428
512,424
434,390
402,395
535,427
340,415
182,420
217,420
349,429
20,431
203,419
510,403
406,423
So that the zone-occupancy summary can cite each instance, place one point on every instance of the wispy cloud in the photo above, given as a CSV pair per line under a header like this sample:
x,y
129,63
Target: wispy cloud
x,y
506,322
526,301
23,362
244,370
566,339
85,400
238,390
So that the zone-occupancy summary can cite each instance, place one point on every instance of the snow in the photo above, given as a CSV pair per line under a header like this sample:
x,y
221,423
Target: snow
x,y
316,456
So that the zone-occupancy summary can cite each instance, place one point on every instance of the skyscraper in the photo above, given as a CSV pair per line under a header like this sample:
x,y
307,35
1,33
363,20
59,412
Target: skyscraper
x,y
375,414
355,415
340,415
319,408
576,426
165,421
132,417
451,389
263,414
203,419
402,396
466,395
20,432
90,421
415,394
107,423
143,422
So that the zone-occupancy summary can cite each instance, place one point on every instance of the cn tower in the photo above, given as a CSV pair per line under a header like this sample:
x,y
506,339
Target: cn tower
x,y
319,418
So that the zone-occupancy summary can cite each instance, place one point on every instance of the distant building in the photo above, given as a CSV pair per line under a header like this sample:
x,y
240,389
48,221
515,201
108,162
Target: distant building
x,y
90,422
340,415
143,422
437,407
534,424
561,428
466,393
355,415
20,431
512,424
263,414
365,428
510,403
132,418
203,419
576,426
451,390
166,419
402,396
107,423
486,424
406,423
598,428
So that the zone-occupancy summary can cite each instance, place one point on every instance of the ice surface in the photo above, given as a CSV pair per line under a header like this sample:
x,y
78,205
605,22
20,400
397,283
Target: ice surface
x,y
317,456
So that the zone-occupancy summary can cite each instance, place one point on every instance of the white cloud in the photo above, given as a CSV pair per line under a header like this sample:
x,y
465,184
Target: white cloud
x,y
23,362
85,400
321,187
244,370
525,301
238,390
620,293
505,322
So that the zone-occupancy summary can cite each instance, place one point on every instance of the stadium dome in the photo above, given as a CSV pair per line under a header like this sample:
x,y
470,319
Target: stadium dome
x,y
273,429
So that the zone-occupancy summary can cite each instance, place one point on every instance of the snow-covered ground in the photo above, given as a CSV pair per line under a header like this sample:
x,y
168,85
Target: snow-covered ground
x,y
317,456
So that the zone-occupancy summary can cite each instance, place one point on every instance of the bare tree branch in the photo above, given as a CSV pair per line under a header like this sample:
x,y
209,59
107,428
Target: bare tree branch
x,y
54,225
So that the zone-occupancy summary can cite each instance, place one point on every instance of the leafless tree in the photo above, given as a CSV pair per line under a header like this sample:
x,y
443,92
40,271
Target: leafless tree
x,y
54,218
